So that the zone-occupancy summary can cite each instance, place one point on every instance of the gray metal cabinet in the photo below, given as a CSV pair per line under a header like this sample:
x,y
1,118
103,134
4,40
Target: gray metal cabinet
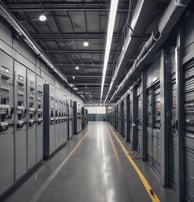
x,y
189,130
153,129
39,119
49,134
173,156
70,120
31,118
6,123
77,117
20,121
139,118
122,118
153,115
64,117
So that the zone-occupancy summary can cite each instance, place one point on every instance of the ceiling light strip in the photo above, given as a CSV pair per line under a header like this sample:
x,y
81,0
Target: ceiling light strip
x,y
127,41
111,23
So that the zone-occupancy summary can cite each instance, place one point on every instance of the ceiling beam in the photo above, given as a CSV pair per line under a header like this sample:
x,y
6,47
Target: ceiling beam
x,y
86,76
96,88
89,84
91,92
73,36
84,70
92,102
88,93
79,51
85,65
90,80
93,95
36,7
89,89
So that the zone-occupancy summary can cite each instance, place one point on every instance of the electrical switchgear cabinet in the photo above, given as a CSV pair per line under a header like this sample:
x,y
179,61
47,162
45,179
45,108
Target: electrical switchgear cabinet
x,y
6,123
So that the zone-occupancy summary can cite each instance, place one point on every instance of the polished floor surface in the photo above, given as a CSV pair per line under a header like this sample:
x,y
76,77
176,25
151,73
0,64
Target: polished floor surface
x,y
90,168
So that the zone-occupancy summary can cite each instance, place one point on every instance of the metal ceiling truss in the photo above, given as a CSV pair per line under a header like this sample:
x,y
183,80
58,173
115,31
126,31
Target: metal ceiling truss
x,y
79,51
89,84
75,36
83,70
87,76
85,65
89,7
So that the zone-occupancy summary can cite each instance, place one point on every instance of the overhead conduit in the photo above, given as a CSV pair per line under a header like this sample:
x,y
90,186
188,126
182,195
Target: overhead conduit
x,y
133,39
165,25
13,22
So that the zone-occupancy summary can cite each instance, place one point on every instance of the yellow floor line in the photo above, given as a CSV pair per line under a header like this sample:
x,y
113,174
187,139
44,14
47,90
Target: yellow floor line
x,y
114,150
146,184
44,186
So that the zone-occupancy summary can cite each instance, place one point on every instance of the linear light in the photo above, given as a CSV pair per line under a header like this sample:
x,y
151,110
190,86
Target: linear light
x,y
111,23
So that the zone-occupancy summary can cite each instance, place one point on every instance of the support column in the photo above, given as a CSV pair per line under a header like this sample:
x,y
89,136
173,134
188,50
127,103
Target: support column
x,y
144,117
127,118
165,113
134,118
107,115
180,114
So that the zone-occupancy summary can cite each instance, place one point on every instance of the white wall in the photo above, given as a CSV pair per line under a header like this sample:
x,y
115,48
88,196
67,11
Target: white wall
x,y
96,110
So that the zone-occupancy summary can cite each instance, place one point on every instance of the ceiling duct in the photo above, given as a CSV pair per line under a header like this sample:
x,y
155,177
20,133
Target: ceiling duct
x,y
134,36
166,23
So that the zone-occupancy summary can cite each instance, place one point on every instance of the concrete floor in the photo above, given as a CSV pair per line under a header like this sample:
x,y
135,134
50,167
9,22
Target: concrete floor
x,y
95,170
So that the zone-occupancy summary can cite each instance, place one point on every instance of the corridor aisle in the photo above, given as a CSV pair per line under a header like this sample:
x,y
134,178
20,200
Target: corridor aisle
x,y
95,170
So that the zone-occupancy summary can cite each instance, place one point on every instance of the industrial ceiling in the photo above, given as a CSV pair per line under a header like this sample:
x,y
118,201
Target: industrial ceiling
x,y
69,24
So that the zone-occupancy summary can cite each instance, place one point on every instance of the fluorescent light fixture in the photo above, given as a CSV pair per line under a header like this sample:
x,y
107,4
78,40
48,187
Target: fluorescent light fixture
x,y
127,43
77,67
85,43
111,23
42,18
73,77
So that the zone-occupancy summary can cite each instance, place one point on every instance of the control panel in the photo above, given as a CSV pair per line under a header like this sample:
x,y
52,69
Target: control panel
x,y
31,119
20,121
156,103
6,95
6,123
39,110
20,103
31,99
39,118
